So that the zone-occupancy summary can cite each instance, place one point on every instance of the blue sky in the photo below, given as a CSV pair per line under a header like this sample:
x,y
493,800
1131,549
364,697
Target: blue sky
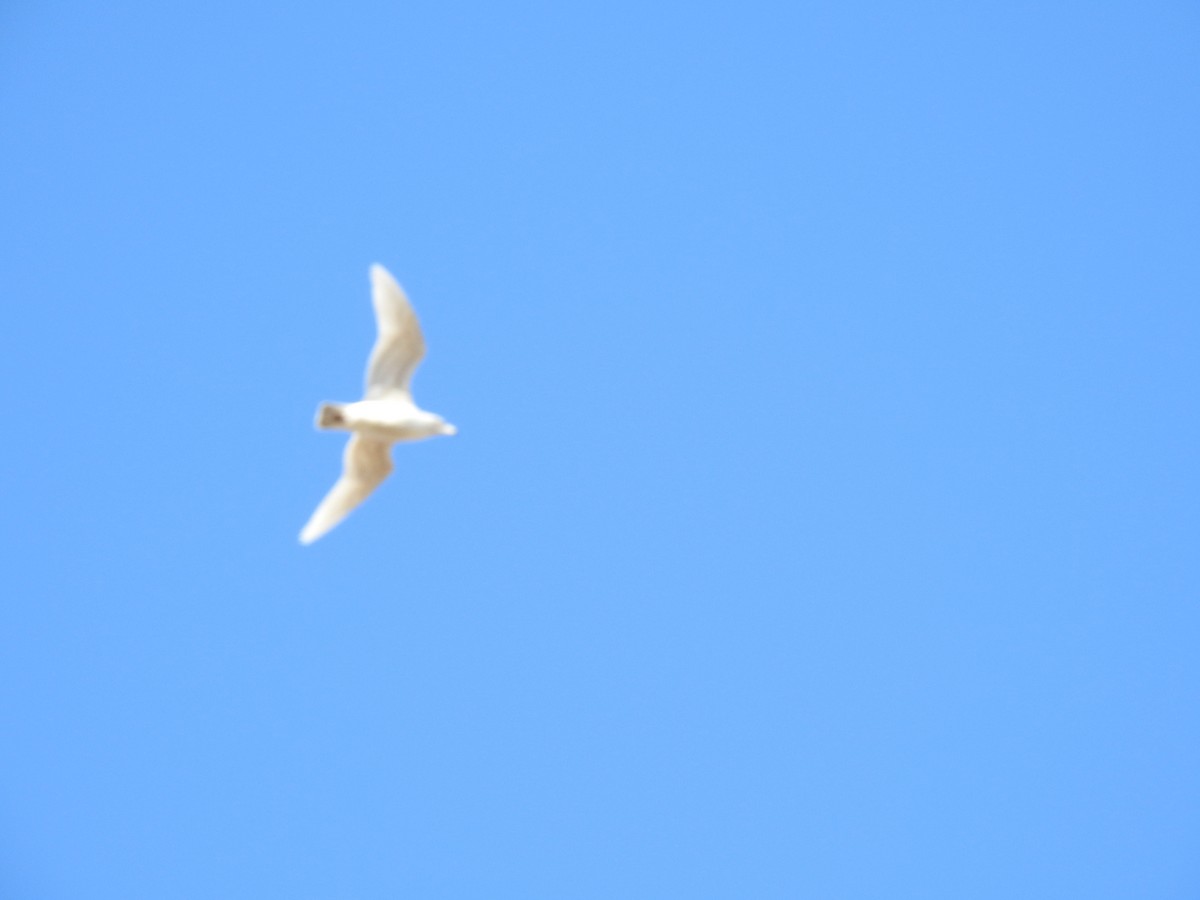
x,y
823,517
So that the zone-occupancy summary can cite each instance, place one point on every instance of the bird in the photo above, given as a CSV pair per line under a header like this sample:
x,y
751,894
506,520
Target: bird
x,y
385,415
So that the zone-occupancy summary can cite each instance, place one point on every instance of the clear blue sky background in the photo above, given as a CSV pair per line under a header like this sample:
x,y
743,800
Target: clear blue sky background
x,y
823,519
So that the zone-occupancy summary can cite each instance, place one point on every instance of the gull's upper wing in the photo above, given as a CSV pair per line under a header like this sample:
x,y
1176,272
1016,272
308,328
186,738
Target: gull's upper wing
x,y
399,345
365,464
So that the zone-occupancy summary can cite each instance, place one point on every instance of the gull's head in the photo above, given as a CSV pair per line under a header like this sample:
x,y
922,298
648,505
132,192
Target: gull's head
x,y
446,428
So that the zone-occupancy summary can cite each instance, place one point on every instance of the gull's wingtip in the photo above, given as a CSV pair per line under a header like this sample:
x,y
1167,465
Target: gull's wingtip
x,y
384,282
310,533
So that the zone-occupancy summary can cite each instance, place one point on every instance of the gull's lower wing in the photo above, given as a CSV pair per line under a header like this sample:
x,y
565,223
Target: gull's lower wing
x,y
399,346
365,464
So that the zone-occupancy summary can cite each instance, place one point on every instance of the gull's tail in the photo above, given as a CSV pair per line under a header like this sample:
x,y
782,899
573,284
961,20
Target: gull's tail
x,y
329,415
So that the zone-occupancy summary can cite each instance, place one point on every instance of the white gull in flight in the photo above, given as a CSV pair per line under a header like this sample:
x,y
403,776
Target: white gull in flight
x,y
385,415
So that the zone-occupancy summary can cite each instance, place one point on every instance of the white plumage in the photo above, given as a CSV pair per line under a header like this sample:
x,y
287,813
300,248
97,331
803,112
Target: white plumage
x,y
385,415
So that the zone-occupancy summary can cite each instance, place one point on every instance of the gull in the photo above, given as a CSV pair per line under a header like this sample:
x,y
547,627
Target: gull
x,y
385,415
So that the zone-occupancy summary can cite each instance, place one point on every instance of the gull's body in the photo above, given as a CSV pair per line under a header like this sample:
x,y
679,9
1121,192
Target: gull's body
x,y
387,413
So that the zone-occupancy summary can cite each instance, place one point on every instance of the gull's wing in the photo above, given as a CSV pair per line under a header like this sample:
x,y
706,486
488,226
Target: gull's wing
x,y
365,464
399,346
